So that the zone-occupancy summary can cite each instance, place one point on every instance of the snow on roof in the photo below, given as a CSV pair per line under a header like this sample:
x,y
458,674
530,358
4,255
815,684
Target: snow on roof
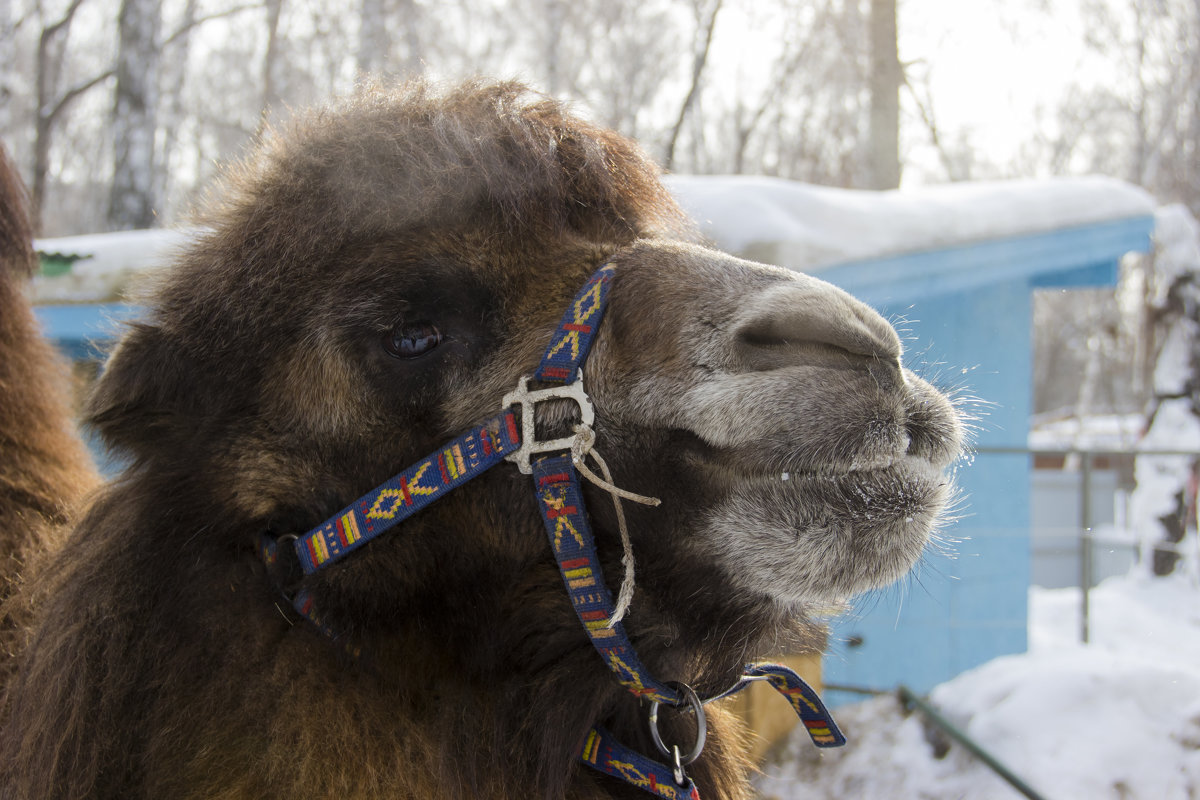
x,y
807,227
778,221
105,263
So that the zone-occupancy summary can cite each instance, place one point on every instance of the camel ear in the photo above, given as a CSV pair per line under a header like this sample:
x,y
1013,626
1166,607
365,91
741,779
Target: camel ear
x,y
140,401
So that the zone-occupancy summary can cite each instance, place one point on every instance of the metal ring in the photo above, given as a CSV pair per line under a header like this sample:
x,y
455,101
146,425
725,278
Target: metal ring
x,y
697,707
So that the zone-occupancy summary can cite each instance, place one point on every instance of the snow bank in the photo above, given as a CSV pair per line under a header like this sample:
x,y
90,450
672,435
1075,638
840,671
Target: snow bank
x,y
807,227
1119,718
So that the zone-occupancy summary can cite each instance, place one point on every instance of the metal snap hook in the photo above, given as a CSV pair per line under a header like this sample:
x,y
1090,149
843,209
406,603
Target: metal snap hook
x,y
681,778
673,752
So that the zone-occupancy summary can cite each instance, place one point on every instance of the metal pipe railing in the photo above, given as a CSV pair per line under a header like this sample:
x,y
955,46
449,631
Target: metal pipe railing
x,y
910,700
1085,546
1085,456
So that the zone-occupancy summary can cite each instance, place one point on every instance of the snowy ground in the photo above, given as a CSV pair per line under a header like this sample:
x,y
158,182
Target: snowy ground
x,y
1118,718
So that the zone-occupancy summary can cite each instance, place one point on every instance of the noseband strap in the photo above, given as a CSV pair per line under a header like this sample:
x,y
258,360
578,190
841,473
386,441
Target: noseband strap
x,y
561,503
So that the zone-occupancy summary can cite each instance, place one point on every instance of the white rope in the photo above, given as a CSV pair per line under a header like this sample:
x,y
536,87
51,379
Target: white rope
x,y
584,445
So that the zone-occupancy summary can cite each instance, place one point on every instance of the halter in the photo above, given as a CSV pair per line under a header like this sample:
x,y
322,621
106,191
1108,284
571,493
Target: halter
x,y
510,436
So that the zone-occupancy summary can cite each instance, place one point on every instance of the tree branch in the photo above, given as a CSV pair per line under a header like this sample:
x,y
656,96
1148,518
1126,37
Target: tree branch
x,y
70,95
198,21
697,71
51,31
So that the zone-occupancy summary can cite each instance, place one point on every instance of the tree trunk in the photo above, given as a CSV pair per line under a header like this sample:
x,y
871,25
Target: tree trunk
x,y
373,39
886,76
132,199
272,89
8,44
698,64
556,14
1163,506
173,109
51,45
409,15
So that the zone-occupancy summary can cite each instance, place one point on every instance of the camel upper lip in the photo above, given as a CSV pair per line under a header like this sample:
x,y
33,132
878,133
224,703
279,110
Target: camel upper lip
x,y
759,462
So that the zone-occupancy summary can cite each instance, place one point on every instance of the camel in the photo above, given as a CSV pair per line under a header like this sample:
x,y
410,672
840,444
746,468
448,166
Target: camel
x,y
230,619
44,469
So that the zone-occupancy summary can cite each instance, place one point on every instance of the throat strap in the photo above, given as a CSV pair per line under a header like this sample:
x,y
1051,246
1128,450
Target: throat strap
x,y
603,752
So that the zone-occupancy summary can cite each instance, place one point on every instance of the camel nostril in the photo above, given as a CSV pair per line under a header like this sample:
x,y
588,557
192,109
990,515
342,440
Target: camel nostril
x,y
794,323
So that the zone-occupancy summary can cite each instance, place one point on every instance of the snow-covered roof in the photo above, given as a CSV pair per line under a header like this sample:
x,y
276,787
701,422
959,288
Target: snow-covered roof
x,y
807,227
104,263
782,222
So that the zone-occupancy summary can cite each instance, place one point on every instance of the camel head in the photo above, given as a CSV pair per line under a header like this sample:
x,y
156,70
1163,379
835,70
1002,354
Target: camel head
x,y
383,272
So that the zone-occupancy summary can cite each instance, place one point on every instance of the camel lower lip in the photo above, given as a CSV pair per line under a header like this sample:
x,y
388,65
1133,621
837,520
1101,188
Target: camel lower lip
x,y
746,463
905,468
904,464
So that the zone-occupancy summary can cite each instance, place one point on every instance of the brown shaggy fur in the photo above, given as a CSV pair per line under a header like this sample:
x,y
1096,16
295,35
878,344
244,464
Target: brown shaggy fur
x,y
258,395
44,469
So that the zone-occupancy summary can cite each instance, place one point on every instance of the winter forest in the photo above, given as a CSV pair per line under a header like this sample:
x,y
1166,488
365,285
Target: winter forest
x,y
121,111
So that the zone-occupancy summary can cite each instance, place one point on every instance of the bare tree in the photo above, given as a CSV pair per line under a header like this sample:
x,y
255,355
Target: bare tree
x,y
884,82
374,40
706,24
272,81
378,22
52,103
8,44
132,199
816,118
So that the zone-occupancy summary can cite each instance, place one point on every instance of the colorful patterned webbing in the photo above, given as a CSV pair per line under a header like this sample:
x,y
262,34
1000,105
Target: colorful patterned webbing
x,y
808,706
573,337
452,465
561,503
602,752
303,603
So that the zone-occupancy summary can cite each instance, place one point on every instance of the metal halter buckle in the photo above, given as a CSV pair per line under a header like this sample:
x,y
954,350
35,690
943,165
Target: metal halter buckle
x,y
528,399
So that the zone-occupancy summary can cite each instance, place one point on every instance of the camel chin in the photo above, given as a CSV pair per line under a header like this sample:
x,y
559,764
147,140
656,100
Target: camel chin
x,y
807,539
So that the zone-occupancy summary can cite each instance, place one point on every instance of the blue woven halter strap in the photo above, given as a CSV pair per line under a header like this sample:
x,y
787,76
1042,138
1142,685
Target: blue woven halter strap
x,y
403,495
560,501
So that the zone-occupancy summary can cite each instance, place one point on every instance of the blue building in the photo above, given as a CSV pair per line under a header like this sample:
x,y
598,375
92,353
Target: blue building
x,y
955,268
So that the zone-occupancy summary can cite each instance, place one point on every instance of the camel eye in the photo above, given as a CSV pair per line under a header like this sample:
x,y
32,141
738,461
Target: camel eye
x,y
412,341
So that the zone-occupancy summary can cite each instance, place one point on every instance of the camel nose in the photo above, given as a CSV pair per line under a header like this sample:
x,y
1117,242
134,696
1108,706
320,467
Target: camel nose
x,y
810,322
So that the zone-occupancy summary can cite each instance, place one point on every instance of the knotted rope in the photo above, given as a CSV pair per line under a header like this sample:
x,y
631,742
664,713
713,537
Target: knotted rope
x,y
583,446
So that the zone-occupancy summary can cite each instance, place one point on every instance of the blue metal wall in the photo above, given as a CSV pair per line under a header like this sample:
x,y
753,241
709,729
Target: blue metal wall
x,y
966,601
966,315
